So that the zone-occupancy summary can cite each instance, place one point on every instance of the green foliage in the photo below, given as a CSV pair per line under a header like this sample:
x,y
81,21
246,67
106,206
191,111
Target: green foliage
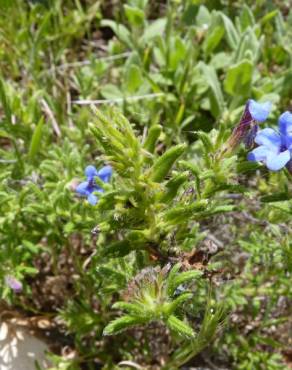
x,y
184,224
154,300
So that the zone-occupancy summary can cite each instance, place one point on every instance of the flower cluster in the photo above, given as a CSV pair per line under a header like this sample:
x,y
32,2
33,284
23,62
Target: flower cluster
x,y
275,147
89,187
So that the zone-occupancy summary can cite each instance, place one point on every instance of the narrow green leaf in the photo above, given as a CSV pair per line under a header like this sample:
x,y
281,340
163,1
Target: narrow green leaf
x,y
178,302
134,15
152,137
179,327
36,140
213,39
215,92
173,186
182,213
203,16
133,78
231,34
278,197
119,29
184,277
132,308
4,101
154,29
205,138
246,17
122,323
118,249
163,164
269,16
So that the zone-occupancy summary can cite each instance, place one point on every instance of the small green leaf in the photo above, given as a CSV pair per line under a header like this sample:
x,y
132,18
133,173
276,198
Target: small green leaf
x,y
180,213
179,327
215,92
246,17
269,16
231,34
178,302
152,137
133,78
119,29
189,15
36,140
4,101
173,186
134,15
132,308
118,249
121,324
154,29
184,277
110,91
278,197
213,39
163,164
205,138
203,16
238,79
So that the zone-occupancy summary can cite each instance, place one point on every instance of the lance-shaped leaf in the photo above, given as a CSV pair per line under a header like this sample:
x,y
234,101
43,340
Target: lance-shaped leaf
x,y
171,307
36,139
212,322
231,34
122,323
136,309
118,249
173,185
152,137
162,165
205,138
119,29
179,327
215,93
182,213
182,278
5,101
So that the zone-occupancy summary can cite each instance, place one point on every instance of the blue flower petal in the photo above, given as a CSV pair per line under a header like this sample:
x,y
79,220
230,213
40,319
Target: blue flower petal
x,y
276,162
285,123
269,138
285,127
92,199
97,188
90,172
259,154
105,173
259,111
82,188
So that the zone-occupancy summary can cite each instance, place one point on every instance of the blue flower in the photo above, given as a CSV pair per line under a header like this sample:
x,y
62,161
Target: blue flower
x,y
14,284
87,188
275,148
259,111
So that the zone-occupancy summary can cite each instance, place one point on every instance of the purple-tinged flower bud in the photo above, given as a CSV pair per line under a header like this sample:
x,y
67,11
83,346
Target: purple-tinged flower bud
x,y
250,136
247,128
14,284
